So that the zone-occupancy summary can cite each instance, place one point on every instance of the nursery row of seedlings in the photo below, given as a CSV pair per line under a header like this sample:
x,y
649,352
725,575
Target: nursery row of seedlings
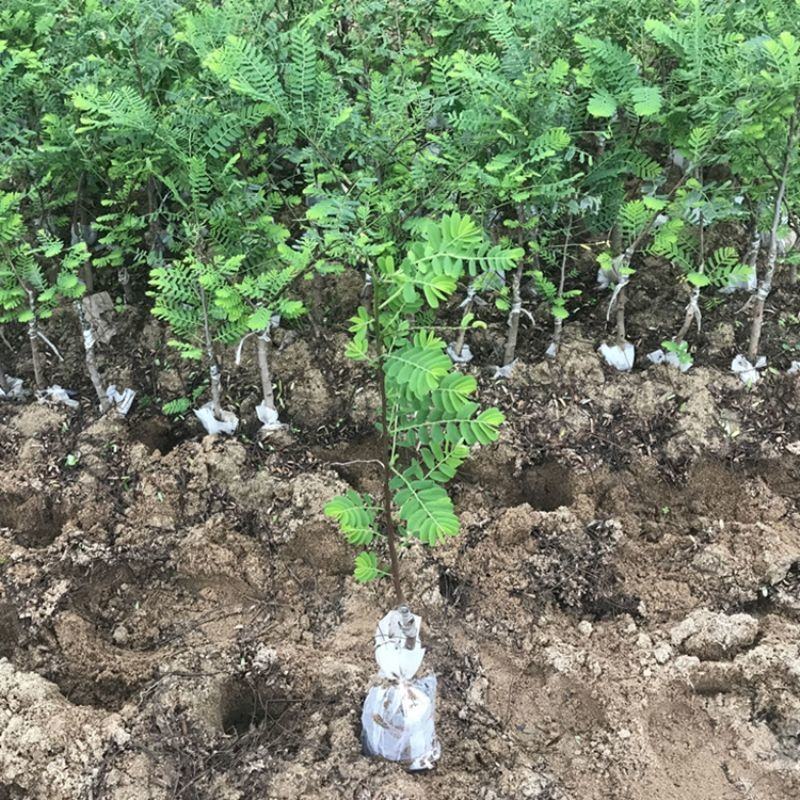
x,y
204,159
210,156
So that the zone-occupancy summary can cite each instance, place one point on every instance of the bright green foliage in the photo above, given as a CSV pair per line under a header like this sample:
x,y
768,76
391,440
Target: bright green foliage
x,y
355,515
26,295
680,349
183,295
549,291
695,208
21,276
215,152
258,294
367,567
613,76
431,419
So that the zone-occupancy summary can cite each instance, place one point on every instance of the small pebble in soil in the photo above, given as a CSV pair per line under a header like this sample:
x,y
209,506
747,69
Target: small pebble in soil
x,y
585,627
120,635
662,652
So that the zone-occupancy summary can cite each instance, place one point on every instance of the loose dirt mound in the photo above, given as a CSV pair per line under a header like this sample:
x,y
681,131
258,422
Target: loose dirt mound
x,y
619,619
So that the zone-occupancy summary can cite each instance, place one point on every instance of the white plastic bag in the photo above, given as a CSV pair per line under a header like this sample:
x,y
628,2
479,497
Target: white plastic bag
x,y
748,373
213,426
621,358
660,357
398,720
464,358
268,418
15,390
504,372
122,401
748,284
55,394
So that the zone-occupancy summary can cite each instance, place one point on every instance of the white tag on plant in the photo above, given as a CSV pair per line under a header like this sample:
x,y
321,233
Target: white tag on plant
x,y
621,358
464,358
748,284
214,426
398,720
748,373
55,394
122,401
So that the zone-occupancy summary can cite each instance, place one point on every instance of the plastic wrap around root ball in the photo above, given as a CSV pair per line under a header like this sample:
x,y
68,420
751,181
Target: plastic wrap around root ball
x,y
399,723
399,716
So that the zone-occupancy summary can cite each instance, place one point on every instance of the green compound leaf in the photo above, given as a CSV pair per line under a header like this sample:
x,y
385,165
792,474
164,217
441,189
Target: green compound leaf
x,y
355,515
366,569
646,100
419,367
425,507
602,104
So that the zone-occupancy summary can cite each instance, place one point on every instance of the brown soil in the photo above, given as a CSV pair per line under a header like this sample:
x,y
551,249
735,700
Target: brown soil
x,y
619,619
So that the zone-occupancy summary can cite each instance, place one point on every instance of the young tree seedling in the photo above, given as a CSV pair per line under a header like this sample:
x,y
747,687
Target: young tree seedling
x,y
428,420
257,299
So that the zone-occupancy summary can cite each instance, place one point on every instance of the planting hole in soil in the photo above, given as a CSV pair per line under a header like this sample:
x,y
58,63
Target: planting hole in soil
x,y
157,434
9,630
243,708
452,589
34,518
545,487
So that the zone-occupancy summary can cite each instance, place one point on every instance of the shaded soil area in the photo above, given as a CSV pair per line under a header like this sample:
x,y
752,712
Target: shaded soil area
x,y
619,618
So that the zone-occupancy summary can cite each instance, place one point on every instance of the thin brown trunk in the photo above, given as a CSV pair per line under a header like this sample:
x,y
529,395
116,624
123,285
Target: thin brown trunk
x,y
213,366
751,259
692,309
622,296
79,225
765,285
558,324
153,227
91,361
124,278
215,376
33,336
262,349
624,260
510,352
688,317
622,299
616,241
391,530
